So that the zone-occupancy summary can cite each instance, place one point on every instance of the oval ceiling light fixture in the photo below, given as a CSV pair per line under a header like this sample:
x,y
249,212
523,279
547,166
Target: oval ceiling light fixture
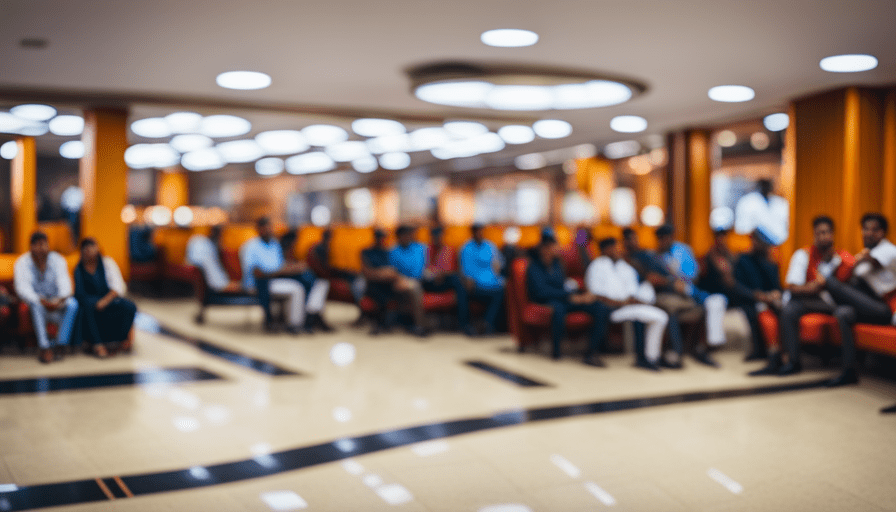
x,y
187,142
464,129
628,124
203,160
151,128
347,151
33,129
9,150
73,149
516,134
240,151
593,94
852,63
776,122
389,143
184,122
243,80
309,163
66,126
33,112
520,97
270,166
455,93
10,123
509,37
395,161
530,162
552,128
731,93
377,127
224,125
425,139
621,149
365,164
323,135
282,142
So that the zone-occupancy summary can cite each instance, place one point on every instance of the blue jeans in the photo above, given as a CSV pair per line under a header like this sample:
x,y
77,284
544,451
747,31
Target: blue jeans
x,y
65,316
598,311
494,299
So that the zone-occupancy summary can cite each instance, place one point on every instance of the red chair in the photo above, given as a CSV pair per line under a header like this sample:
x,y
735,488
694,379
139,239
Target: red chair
x,y
815,328
876,338
528,320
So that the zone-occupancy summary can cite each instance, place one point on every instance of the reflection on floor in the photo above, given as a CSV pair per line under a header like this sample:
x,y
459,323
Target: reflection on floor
x,y
589,440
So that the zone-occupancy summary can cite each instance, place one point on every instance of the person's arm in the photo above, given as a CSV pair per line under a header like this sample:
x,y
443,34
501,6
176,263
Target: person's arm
x,y
23,281
539,289
597,279
113,276
795,280
745,286
63,279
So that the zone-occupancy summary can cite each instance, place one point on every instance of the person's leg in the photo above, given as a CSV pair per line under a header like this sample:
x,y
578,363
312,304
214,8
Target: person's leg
x,y
39,318
715,306
67,325
656,321
869,307
495,299
262,290
674,305
758,350
463,302
558,327
600,315
413,290
295,300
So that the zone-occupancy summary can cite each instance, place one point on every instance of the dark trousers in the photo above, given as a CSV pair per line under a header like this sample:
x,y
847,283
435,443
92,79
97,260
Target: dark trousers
x,y
856,302
749,309
494,299
598,311
789,322
453,282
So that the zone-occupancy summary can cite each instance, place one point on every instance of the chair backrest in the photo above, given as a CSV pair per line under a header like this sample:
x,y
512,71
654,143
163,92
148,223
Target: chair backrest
x,y
517,296
230,258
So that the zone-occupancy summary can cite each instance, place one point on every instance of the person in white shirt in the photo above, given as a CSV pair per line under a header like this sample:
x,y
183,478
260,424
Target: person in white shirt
x,y
42,281
867,297
615,283
204,253
762,208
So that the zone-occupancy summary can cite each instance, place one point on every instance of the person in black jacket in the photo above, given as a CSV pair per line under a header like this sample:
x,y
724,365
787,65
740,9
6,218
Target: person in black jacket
x,y
757,287
546,284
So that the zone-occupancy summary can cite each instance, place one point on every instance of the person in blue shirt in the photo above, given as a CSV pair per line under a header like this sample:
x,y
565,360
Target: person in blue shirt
x,y
266,271
316,287
480,266
385,282
546,284
678,295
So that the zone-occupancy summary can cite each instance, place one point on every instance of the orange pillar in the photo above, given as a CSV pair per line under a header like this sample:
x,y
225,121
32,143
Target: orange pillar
x,y
24,189
173,189
677,207
699,196
104,179
788,189
888,181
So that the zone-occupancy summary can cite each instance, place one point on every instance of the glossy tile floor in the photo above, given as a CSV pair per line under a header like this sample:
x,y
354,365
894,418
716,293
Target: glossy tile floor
x,y
344,398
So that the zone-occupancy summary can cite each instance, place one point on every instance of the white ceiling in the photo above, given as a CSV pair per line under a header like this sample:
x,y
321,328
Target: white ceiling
x,y
353,53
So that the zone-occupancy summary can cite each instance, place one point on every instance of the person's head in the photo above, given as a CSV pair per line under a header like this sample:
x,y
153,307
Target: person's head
x,y
547,248
379,237
436,235
265,228
874,229
288,241
405,235
765,186
720,237
326,235
477,232
39,245
610,247
823,229
630,240
761,242
665,237
215,233
90,251
583,236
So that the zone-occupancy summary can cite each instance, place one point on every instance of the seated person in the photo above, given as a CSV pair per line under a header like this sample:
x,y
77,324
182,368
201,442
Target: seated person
x,y
806,274
308,279
140,245
107,316
204,252
266,271
584,247
511,249
6,302
42,282
319,260
615,283
440,275
717,266
757,288
385,282
866,298
672,275
480,266
546,284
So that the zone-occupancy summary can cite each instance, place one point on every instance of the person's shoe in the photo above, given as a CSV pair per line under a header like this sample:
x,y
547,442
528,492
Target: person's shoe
x,y
771,368
888,410
647,365
556,356
420,332
377,329
703,357
271,328
308,328
594,360
847,377
58,353
470,331
45,356
756,355
791,368
317,320
100,351
294,329
663,363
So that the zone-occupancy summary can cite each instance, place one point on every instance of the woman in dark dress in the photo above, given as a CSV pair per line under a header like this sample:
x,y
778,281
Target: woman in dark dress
x,y
107,316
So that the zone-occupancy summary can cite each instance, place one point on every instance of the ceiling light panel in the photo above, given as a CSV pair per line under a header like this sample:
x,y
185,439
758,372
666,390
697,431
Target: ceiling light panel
x,y
852,63
324,134
377,127
509,38
243,80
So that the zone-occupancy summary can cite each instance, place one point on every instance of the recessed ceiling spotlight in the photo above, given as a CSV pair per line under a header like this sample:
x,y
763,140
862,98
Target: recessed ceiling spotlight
x,y
852,63
516,134
67,126
33,112
776,122
323,135
377,127
243,80
731,93
73,149
628,124
552,128
151,128
509,37
760,141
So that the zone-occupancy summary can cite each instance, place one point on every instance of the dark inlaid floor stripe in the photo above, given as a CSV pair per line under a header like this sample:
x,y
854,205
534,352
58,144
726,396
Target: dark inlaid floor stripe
x,y
244,360
507,375
84,491
104,380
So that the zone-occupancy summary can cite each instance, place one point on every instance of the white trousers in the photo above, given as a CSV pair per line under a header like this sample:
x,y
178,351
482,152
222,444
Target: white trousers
x,y
296,307
653,317
715,306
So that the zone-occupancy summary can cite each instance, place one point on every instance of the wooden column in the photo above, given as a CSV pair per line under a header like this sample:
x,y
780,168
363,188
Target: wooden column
x,y
173,189
699,194
788,188
23,186
104,179
677,183
888,180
